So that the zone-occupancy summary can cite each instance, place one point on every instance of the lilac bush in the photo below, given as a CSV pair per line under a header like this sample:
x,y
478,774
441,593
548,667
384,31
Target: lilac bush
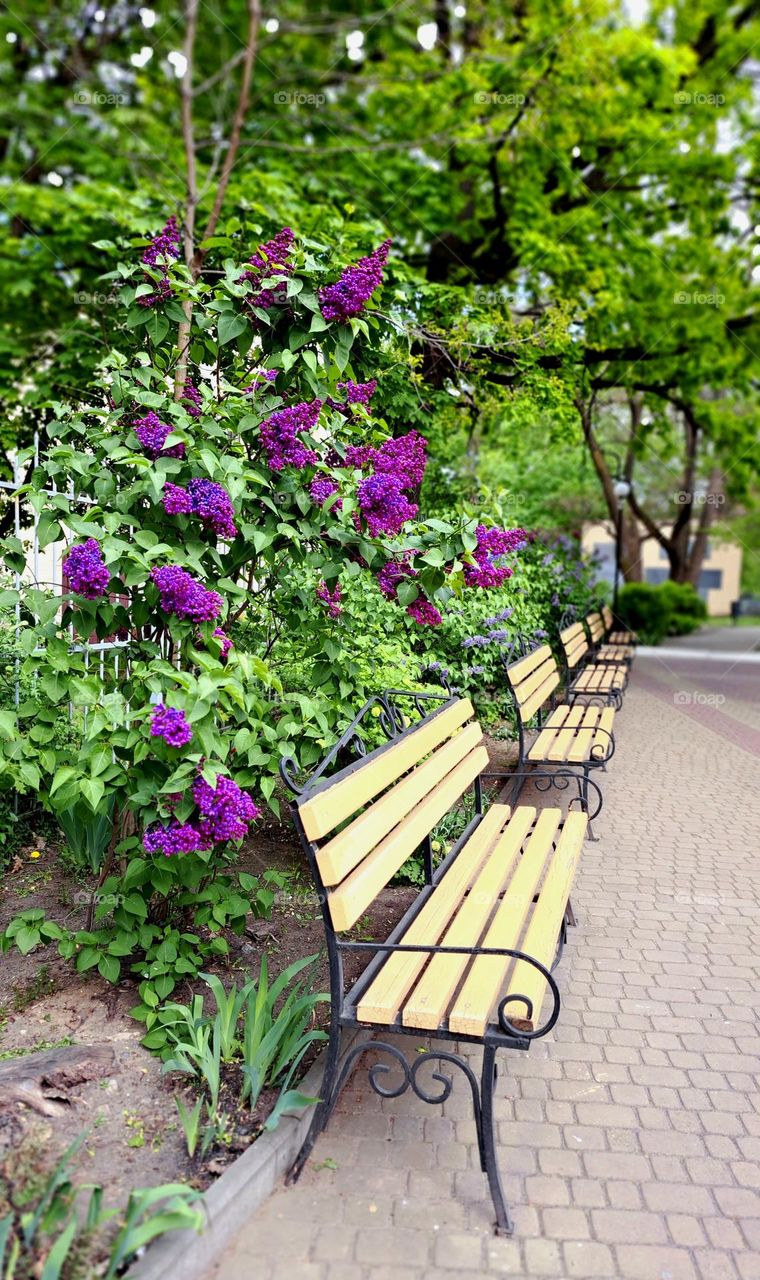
x,y
253,488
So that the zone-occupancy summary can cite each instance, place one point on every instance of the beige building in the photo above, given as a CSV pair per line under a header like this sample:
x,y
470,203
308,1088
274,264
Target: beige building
x,y
718,582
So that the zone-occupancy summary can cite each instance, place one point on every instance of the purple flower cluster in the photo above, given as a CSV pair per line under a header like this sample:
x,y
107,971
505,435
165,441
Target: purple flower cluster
x,y
322,488
384,505
270,258
359,456
205,499
153,434
392,574
86,573
224,641
162,250
404,457
424,612
224,813
184,595
358,392
171,725
330,599
191,399
493,544
225,810
347,297
280,432
260,376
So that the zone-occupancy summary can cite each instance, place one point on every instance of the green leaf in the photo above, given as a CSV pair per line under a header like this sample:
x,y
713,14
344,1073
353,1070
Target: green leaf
x,y
109,968
230,326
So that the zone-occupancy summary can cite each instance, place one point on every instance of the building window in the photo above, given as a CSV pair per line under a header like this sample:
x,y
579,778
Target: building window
x,y
710,580
656,576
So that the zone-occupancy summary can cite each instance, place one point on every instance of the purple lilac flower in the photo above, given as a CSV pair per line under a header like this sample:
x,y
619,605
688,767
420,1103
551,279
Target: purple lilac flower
x,y
331,600
492,544
225,810
191,399
322,488
499,634
259,377
358,392
171,725
162,250
347,297
359,456
383,504
86,573
184,596
555,601
177,837
205,499
424,613
280,432
548,559
476,671
224,641
404,457
392,574
269,259
152,434
177,501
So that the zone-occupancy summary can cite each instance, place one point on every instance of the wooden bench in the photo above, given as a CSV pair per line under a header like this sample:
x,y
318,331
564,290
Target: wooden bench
x,y
471,959
615,639
605,680
572,739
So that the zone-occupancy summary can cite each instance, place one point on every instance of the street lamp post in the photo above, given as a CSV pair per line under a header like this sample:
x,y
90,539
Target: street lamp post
x,y
622,488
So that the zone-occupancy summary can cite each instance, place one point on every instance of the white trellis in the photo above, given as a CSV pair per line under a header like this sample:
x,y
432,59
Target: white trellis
x,y
44,570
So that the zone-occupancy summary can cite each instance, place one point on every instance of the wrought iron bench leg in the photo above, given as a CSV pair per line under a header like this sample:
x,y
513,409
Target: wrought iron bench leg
x,y
490,1164
328,1096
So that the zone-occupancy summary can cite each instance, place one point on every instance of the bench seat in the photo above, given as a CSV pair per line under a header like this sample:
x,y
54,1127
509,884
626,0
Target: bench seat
x,y
622,637
507,888
615,653
602,678
574,735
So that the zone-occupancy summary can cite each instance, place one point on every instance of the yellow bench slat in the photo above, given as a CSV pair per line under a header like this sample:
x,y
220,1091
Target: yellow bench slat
x,y
567,736
326,810
345,851
534,704
428,1002
363,884
540,940
549,732
383,998
473,1003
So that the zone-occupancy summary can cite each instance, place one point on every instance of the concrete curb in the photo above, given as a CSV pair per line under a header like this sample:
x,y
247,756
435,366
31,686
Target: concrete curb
x,y
729,656
240,1190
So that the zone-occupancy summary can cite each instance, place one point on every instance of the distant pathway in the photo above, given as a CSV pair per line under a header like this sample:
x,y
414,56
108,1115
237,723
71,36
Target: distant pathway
x,y
630,1136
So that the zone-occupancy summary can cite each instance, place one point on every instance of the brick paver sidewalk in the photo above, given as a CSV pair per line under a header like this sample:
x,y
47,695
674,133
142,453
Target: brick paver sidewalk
x,y
629,1137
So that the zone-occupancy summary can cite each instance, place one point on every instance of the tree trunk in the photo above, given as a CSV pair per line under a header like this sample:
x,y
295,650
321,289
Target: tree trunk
x,y
713,500
630,547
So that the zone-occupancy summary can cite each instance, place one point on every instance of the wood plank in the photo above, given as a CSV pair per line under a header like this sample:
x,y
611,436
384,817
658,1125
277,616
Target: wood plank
x,y
426,1005
568,735
575,653
474,1001
540,939
595,626
383,998
580,749
362,886
606,721
523,666
528,686
541,695
327,809
345,851
549,732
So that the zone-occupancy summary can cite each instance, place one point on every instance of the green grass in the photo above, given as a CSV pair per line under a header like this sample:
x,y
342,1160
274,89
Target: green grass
x,y
744,621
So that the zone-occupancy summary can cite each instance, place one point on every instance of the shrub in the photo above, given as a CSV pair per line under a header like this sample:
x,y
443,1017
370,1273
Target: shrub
x,y
653,612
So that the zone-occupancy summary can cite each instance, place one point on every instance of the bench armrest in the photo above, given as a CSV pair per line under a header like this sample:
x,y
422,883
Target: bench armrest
x,y
559,778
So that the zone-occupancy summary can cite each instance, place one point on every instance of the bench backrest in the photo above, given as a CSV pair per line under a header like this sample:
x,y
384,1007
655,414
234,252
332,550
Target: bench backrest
x,y
364,822
607,617
574,643
533,680
596,627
